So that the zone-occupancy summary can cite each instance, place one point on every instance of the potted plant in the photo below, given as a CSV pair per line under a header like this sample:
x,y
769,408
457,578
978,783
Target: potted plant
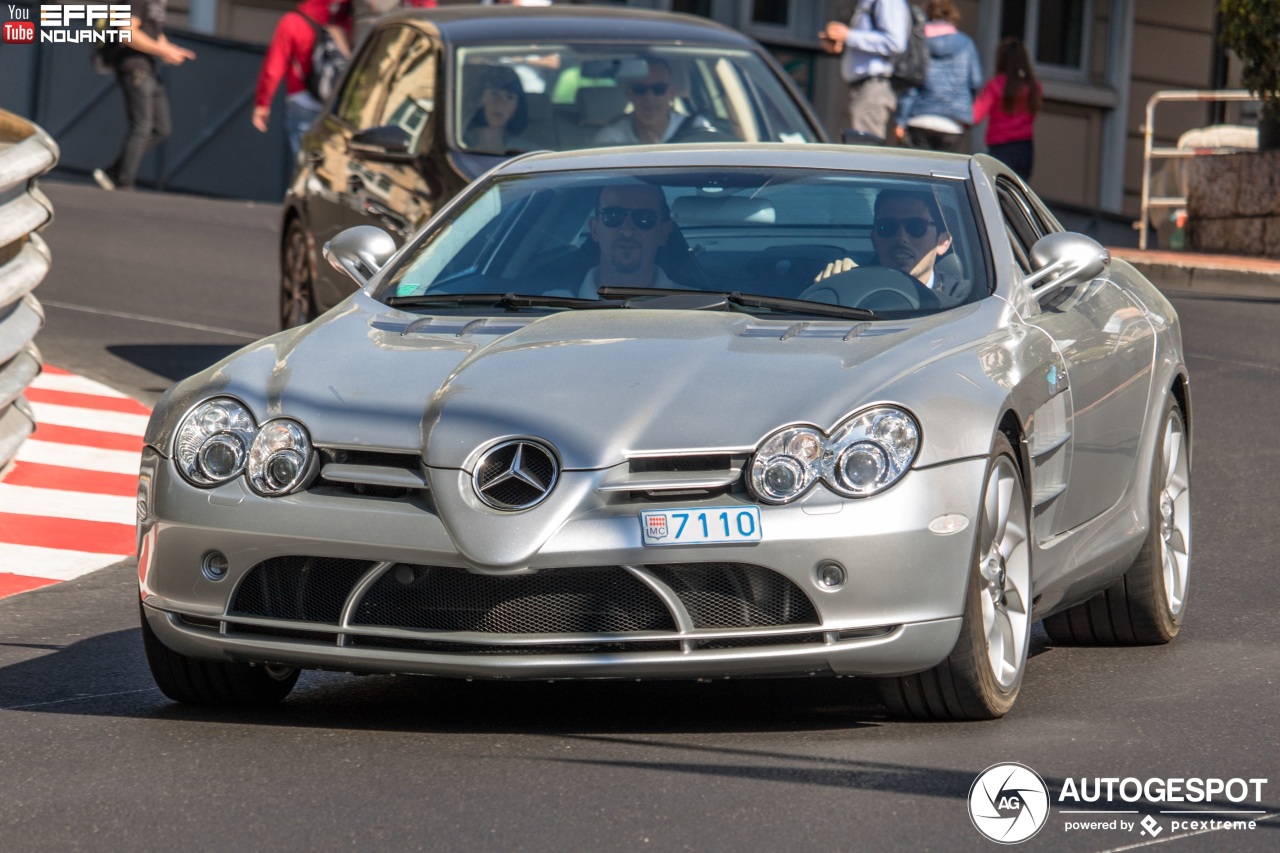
x,y
1251,28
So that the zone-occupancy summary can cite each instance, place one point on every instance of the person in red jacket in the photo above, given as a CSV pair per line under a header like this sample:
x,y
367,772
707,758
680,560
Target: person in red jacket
x,y
289,58
1011,99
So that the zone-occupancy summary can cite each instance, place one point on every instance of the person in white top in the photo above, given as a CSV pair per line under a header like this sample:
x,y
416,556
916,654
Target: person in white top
x,y
652,119
631,223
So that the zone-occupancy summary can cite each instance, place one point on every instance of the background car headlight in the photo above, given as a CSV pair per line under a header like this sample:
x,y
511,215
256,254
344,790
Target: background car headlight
x,y
213,441
787,464
280,458
872,450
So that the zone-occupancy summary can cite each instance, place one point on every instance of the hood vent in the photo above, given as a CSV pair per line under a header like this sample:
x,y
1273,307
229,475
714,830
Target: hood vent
x,y
787,331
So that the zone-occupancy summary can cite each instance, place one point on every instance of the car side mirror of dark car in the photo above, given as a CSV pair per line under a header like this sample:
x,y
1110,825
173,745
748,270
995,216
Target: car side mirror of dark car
x,y
1065,258
360,252
386,144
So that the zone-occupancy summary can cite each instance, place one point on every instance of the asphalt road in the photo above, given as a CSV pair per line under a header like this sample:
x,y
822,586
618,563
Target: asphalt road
x,y
148,288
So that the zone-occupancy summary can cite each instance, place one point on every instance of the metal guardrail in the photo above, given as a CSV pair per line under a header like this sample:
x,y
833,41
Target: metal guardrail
x,y
26,151
1150,151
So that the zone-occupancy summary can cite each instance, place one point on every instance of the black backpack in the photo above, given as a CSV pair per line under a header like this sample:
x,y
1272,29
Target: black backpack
x,y
327,63
911,66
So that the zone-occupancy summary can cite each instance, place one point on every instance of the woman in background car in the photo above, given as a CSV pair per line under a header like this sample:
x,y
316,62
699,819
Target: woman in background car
x,y
502,115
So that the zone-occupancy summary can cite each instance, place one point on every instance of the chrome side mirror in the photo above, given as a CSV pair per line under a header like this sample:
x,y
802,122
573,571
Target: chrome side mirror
x,y
360,252
1066,258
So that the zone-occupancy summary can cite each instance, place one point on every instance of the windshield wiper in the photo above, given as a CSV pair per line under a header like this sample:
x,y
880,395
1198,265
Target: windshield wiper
x,y
506,300
750,300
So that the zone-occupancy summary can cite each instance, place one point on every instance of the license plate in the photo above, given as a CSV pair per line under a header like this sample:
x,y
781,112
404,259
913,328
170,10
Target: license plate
x,y
717,524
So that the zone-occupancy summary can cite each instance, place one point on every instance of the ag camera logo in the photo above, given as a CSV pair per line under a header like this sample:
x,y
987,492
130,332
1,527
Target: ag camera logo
x,y
1009,803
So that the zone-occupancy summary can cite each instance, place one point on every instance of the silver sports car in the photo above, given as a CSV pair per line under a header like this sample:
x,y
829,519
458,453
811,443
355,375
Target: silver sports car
x,y
681,412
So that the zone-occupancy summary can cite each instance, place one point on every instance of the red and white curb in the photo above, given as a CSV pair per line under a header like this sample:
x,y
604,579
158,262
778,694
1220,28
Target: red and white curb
x,y
69,504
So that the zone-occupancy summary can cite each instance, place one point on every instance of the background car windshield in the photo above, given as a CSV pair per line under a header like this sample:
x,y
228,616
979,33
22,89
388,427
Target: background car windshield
x,y
769,233
569,96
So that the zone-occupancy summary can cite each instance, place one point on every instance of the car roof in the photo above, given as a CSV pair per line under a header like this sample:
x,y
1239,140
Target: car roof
x,y
737,155
468,24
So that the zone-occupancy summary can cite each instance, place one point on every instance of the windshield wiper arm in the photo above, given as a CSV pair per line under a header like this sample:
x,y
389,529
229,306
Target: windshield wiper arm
x,y
751,300
506,300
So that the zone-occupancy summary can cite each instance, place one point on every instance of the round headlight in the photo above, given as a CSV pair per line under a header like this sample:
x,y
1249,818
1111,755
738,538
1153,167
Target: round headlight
x,y
787,464
873,449
212,440
280,458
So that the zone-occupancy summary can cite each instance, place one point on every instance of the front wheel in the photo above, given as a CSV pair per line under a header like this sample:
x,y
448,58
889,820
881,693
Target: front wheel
x,y
981,677
297,282
193,681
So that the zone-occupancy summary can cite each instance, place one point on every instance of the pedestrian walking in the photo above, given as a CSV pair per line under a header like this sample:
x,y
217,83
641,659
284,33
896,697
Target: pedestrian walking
x,y
291,57
1010,101
937,114
145,100
875,36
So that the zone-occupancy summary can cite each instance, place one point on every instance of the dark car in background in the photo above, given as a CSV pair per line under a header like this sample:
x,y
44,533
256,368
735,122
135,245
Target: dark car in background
x,y
402,135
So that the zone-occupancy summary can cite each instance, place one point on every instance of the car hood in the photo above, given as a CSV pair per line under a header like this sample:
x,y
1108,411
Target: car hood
x,y
597,385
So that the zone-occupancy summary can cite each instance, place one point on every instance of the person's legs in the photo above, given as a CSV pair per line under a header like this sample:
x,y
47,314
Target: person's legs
x,y
298,118
139,89
871,106
1018,156
934,140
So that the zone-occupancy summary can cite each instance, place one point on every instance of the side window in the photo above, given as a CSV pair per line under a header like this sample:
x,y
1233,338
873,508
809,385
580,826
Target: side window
x,y
361,94
411,90
1023,228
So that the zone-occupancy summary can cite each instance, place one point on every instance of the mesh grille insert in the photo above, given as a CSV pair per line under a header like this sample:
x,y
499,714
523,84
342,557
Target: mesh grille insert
x,y
736,595
307,589
588,600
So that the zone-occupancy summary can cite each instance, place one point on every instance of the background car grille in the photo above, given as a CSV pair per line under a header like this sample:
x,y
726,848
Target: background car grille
x,y
736,595
307,589
591,600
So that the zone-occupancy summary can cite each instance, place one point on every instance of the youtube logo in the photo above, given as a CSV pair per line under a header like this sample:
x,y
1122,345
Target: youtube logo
x,y
19,32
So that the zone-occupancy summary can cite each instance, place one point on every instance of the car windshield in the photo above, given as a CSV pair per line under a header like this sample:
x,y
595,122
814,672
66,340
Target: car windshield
x,y
765,241
561,97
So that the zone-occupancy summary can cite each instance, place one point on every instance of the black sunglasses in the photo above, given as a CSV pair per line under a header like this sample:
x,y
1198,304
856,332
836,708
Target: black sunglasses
x,y
639,89
916,226
613,217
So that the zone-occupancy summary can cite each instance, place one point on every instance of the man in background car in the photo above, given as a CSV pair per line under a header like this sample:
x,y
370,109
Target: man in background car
x,y
651,119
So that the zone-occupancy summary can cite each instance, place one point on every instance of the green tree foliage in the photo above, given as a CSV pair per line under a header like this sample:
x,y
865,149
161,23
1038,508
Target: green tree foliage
x,y
1252,29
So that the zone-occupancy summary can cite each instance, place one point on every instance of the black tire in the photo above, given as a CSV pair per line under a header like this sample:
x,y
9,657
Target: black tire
x,y
965,686
193,681
297,280
1145,606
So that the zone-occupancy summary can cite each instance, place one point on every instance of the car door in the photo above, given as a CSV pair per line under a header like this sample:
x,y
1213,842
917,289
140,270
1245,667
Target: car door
x,y
1107,344
338,185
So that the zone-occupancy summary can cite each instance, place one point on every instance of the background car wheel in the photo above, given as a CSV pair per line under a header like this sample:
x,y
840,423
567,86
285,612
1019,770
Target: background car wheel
x,y
1145,606
297,291
981,677
192,681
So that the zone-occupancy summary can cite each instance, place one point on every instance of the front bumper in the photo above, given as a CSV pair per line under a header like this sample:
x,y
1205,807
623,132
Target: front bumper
x,y
898,612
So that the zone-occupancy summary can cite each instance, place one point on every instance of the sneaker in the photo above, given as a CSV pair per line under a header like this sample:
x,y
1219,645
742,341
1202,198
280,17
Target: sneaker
x,y
103,179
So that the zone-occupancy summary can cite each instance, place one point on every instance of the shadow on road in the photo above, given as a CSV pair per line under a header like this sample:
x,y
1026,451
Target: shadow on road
x,y
172,361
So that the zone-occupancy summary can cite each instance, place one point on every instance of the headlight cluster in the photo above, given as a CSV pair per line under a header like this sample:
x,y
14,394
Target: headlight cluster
x,y
218,441
865,454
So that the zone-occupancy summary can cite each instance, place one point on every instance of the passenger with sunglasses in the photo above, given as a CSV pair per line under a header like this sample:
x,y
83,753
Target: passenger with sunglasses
x,y
652,119
909,235
631,223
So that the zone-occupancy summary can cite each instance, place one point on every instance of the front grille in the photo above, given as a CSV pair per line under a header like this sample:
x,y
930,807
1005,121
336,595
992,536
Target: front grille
x,y
490,649
691,464
286,633
736,595
305,589
587,600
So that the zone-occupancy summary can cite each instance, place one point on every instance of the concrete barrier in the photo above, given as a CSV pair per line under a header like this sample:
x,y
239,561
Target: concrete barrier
x,y
26,151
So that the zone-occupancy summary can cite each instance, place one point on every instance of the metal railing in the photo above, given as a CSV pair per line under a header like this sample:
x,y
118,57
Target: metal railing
x,y
26,151
1150,151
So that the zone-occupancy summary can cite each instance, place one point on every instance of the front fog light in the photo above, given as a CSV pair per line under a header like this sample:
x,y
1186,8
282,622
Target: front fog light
x,y
210,443
279,459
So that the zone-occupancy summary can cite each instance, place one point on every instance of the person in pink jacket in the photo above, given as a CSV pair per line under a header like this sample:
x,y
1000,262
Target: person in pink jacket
x,y
1011,99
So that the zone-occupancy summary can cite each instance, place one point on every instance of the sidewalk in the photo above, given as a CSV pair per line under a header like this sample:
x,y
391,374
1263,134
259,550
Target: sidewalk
x,y
1217,275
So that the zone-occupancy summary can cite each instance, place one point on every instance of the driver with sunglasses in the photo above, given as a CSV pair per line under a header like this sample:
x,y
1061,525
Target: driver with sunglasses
x,y
631,223
651,119
910,236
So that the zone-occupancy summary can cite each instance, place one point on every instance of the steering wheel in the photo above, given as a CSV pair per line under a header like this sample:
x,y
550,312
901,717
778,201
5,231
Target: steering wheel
x,y
878,289
698,128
